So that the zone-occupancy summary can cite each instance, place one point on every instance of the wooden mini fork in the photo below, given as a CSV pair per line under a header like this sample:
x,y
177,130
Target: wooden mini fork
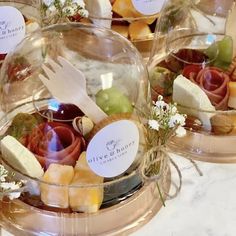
x,y
68,85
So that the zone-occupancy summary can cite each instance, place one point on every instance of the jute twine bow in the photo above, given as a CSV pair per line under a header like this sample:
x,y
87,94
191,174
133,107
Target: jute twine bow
x,y
155,168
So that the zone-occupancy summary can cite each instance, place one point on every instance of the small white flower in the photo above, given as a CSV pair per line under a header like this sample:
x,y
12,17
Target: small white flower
x,y
173,109
69,10
3,173
153,124
161,105
84,13
51,8
3,178
9,186
48,2
156,111
180,131
176,119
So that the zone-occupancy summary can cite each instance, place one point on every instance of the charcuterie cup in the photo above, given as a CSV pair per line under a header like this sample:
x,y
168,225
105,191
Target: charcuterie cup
x,y
193,65
71,130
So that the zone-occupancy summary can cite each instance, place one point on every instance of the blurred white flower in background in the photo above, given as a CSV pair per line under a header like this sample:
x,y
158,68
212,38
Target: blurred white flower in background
x,y
55,10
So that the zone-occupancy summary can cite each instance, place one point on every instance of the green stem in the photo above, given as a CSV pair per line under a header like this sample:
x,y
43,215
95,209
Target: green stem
x,y
160,194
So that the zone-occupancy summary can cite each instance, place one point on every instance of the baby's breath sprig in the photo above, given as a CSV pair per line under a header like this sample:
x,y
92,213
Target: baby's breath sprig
x,y
9,188
3,174
164,122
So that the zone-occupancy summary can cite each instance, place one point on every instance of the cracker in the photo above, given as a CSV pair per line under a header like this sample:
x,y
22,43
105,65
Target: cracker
x,y
110,119
231,67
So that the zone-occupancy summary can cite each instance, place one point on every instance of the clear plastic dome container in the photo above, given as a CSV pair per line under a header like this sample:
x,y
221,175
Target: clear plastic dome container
x,y
135,20
193,64
71,129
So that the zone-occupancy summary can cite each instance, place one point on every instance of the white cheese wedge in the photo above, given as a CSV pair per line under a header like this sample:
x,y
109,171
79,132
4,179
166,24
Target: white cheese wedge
x,y
99,9
20,157
190,95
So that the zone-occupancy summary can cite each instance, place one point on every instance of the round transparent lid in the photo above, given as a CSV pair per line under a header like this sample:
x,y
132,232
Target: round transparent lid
x,y
193,64
71,100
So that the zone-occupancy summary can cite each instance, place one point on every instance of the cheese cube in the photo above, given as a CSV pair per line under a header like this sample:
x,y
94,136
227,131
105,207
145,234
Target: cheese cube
x,y
139,30
82,198
232,94
52,194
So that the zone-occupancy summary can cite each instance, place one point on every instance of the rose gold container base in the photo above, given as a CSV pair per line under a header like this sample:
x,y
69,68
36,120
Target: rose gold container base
x,y
121,219
206,147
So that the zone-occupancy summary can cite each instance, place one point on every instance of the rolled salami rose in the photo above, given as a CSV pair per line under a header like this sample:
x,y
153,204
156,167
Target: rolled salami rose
x,y
213,81
55,142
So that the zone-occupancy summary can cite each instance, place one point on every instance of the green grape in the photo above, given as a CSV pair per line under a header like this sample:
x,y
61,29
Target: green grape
x,y
224,48
112,101
212,51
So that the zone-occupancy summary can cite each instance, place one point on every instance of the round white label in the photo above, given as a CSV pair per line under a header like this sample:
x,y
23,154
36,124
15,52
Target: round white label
x,y
148,7
12,28
113,149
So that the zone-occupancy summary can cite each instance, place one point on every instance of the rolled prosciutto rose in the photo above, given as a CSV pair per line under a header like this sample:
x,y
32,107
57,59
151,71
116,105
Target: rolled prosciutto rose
x,y
55,142
213,81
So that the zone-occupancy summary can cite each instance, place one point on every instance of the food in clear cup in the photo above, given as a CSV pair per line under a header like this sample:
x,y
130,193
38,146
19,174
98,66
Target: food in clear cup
x,y
119,15
200,80
55,142
57,132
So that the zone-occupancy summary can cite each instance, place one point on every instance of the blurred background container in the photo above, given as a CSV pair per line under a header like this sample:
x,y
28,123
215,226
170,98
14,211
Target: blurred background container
x,y
198,35
127,17
17,18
